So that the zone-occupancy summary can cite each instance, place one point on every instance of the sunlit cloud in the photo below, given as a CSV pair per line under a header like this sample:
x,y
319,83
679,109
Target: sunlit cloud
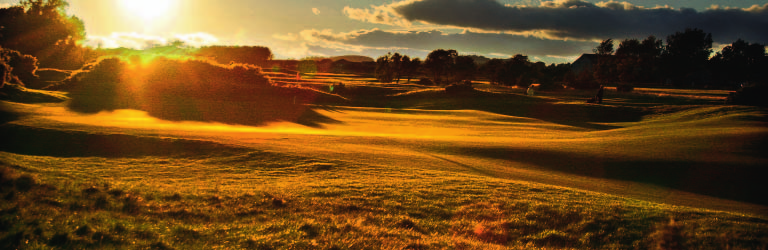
x,y
382,14
316,11
483,43
286,37
197,39
130,40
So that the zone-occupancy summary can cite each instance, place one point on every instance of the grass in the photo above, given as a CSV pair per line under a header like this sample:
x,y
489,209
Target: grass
x,y
345,207
405,168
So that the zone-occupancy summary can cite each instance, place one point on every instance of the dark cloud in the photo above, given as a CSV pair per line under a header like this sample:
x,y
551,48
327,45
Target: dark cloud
x,y
583,20
465,42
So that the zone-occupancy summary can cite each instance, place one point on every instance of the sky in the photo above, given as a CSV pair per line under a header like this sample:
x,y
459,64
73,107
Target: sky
x,y
551,31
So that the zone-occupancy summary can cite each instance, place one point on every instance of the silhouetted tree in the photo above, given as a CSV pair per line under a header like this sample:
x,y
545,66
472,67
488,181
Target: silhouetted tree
x,y
740,63
492,69
396,61
517,71
605,48
384,71
629,48
42,29
604,70
686,55
410,67
651,47
556,73
464,68
256,55
439,62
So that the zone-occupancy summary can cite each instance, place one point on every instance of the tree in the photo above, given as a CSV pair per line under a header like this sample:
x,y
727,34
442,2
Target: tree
x,y
464,68
686,55
605,48
516,71
629,48
439,62
396,64
42,29
410,67
739,63
492,69
651,47
605,68
256,55
384,71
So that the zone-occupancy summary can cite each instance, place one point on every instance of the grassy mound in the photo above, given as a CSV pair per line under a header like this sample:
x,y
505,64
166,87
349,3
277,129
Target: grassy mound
x,y
190,90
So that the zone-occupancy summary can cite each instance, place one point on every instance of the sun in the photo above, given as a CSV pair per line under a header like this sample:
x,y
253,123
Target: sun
x,y
147,10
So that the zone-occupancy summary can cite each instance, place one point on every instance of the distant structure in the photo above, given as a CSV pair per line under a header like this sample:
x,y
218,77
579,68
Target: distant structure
x,y
585,62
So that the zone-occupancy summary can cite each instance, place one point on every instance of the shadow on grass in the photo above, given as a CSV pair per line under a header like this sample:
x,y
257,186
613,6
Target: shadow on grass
x,y
60,143
210,109
734,181
578,115
7,114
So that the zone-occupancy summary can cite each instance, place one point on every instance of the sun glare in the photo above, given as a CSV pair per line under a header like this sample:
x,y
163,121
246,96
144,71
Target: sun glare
x,y
147,10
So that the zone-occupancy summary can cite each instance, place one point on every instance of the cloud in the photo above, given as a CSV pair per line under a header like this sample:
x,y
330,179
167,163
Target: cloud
x,y
135,40
197,39
574,19
286,37
383,14
316,11
492,44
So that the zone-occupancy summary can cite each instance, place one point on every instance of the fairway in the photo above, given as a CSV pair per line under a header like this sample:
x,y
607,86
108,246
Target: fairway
x,y
421,169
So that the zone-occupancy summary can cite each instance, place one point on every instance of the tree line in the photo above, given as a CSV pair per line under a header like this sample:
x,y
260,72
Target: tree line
x,y
447,66
685,60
